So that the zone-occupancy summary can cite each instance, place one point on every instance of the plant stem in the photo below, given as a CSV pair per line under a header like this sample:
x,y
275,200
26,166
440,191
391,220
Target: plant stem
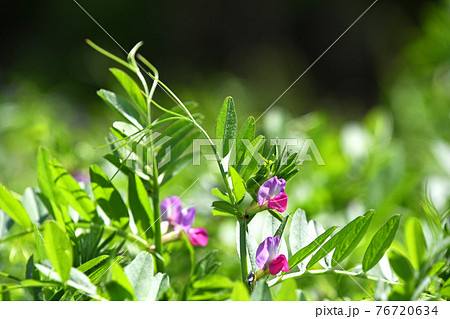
x,y
156,214
307,273
243,248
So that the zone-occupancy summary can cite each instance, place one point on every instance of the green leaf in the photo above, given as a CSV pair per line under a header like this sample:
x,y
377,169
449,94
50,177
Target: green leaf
x,y
76,280
140,274
92,263
247,133
348,243
276,215
108,197
120,278
401,266
160,283
71,191
281,228
131,87
212,282
445,290
261,292
45,177
58,249
13,208
252,247
298,233
288,291
238,185
173,154
333,242
48,188
217,192
99,272
380,243
224,207
140,206
34,206
226,126
40,245
8,276
122,106
252,160
309,249
240,292
415,242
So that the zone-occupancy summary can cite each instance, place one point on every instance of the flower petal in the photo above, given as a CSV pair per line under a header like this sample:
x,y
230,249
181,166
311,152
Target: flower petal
x,y
270,189
279,264
186,218
279,203
266,251
198,236
170,208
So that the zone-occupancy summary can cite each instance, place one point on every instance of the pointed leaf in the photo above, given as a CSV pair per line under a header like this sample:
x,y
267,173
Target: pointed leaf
x,y
415,242
140,274
131,87
11,206
401,266
140,206
238,185
348,243
380,243
333,242
298,233
226,126
92,263
58,249
71,191
261,292
301,255
108,197
122,106
247,133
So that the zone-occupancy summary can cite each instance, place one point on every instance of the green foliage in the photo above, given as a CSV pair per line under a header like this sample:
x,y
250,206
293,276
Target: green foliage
x,y
140,206
238,185
415,242
108,198
226,126
145,285
351,239
309,249
240,292
13,208
380,243
104,241
58,249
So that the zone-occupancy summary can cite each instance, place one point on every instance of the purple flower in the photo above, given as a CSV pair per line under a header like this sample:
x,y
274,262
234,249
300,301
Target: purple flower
x,y
271,194
267,258
170,209
179,218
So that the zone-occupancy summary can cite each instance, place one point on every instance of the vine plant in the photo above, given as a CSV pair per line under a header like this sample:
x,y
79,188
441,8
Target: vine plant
x,y
80,229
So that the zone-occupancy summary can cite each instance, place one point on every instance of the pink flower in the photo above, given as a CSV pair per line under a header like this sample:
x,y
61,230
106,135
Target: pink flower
x,y
271,194
266,256
179,218
198,236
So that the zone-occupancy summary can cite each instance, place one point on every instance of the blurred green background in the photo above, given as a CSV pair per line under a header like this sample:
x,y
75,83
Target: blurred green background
x,y
376,105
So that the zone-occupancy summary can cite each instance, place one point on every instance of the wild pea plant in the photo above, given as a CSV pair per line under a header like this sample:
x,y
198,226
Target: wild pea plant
x,y
90,242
